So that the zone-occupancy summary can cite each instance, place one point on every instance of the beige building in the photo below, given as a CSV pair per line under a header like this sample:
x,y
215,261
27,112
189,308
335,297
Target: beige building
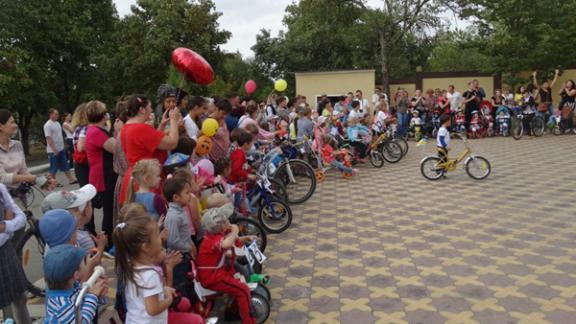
x,y
335,83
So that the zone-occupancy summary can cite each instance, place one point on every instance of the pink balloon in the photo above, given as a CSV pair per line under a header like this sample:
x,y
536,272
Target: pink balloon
x,y
206,165
250,86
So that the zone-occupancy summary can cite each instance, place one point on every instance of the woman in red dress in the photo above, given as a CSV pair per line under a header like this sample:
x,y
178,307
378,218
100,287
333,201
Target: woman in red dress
x,y
140,141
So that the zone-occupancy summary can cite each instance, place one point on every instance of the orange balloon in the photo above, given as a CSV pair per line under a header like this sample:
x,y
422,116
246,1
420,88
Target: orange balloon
x,y
203,145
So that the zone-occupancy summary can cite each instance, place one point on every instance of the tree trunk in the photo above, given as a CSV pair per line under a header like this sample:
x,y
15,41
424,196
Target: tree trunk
x,y
25,132
384,51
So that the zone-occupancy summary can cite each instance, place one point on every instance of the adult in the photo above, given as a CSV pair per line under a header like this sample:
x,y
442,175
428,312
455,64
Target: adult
x,y
120,164
13,281
81,167
141,141
69,131
221,140
250,118
364,105
237,111
55,146
455,99
376,97
567,104
417,102
281,108
166,96
100,148
402,111
471,102
479,90
197,106
13,170
339,105
271,115
545,92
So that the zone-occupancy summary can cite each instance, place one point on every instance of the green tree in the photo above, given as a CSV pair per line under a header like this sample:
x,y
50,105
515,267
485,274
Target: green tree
x,y
146,38
458,51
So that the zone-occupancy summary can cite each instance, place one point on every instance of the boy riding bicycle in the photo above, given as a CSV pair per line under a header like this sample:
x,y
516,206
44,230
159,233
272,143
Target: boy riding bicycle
x,y
443,138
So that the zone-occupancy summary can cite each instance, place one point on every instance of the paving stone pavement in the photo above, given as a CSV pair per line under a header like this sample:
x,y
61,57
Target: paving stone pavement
x,y
391,247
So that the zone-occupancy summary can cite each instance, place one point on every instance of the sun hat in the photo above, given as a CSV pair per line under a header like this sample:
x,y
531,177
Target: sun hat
x,y
60,262
57,227
68,199
214,218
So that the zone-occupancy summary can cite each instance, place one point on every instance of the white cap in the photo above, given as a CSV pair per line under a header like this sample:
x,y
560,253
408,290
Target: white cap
x,y
68,199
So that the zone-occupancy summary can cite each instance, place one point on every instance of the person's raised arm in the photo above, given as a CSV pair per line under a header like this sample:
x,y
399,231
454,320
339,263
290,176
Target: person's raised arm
x,y
230,239
535,80
556,72
170,141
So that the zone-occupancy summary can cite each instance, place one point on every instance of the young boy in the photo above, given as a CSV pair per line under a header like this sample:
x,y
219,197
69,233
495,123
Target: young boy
x,y
79,204
62,266
240,171
177,192
213,272
443,138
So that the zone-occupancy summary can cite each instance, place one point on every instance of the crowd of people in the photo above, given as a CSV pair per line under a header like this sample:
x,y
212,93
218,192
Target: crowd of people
x,y
147,169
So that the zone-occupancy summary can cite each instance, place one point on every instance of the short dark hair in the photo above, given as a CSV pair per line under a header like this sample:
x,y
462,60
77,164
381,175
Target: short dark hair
x,y
186,145
4,116
95,111
279,100
224,105
173,187
444,118
220,165
196,101
244,138
355,104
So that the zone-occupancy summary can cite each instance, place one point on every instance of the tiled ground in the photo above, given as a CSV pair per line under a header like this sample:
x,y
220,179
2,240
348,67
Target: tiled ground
x,y
392,247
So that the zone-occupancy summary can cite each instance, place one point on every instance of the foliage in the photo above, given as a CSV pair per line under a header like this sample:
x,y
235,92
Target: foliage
x,y
458,51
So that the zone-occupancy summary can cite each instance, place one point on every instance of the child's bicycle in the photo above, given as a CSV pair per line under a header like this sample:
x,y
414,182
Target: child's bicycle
x,y
476,166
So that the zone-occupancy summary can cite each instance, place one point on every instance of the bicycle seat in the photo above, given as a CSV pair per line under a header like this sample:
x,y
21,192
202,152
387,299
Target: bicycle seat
x,y
202,292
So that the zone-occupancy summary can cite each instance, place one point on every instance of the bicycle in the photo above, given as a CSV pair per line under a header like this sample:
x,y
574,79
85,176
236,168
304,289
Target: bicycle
x,y
536,125
432,168
31,239
389,147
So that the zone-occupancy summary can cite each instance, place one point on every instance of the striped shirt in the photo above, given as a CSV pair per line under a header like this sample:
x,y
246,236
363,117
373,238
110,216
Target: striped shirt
x,y
60,306
12,162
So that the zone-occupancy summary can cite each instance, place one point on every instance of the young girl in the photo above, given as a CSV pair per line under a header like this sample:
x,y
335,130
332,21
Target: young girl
x,y
146,173
328,156
139,252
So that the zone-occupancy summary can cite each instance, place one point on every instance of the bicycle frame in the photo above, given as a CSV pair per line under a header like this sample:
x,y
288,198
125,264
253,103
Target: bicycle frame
x,y
451,164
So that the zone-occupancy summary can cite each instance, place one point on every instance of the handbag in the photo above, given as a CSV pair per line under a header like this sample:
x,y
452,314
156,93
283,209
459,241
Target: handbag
x,y
79,157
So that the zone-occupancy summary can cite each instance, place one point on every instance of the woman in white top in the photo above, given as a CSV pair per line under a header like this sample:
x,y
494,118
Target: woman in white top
x,y
197,107
69,131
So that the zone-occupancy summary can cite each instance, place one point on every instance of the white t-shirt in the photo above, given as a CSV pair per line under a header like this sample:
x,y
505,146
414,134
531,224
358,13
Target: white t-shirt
x,y
53,130
69,135
151,280
191,127
443,132
455,99
355,114
379,123
364,105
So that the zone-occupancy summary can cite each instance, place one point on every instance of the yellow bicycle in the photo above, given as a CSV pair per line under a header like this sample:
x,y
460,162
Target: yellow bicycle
x,y
476,166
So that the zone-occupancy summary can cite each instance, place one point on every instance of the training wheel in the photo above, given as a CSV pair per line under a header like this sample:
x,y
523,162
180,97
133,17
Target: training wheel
x,y
347,175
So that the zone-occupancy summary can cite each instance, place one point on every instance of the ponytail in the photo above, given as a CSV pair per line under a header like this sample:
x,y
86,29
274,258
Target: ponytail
x,y
130,190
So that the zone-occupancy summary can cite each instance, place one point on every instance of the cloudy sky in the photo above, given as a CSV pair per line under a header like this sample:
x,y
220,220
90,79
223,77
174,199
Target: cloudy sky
x,y
244,18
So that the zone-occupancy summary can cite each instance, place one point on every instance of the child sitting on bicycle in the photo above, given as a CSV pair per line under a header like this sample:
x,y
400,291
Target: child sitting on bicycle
x,y
62,268
443,138
355,133
214,272
329,156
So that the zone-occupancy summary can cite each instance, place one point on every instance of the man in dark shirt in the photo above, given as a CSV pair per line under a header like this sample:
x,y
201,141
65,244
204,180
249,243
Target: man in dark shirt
x,y
472,101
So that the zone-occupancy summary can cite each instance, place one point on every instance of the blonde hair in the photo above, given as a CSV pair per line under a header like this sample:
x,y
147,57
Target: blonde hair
x,y
79,117
131,210
140,171
95,111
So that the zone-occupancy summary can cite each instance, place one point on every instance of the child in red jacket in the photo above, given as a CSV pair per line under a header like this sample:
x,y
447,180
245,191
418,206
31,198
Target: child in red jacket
x,y
241,171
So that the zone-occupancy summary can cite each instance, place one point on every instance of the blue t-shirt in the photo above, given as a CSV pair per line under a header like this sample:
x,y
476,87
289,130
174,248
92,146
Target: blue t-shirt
x,y
152,201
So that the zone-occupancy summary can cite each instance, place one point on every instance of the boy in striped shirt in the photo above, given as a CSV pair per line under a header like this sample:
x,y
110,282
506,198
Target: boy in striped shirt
x,y
61,270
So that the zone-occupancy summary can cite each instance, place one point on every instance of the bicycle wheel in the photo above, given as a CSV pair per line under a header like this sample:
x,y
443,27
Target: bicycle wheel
x,y
517,128
376,159
249,226
392,152
402,142
478,167
279,189
275,216
537,125
429,168
301,185
30,248
260,306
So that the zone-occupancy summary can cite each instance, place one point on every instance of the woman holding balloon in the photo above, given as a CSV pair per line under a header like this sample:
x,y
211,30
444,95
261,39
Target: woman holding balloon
x,y
142,141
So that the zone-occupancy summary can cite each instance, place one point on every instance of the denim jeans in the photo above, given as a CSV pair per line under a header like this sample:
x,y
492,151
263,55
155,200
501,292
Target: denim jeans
x,y
402,123
340,166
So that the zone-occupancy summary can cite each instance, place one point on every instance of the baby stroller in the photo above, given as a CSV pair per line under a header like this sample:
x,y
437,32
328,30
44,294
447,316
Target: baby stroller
x,y
503,120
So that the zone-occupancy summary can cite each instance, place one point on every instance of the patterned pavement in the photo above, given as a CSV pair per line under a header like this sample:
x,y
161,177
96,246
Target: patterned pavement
x,y
392,247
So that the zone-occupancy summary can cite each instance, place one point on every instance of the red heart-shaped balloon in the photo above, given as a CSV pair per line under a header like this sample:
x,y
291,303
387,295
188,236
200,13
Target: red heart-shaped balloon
x,y
192,65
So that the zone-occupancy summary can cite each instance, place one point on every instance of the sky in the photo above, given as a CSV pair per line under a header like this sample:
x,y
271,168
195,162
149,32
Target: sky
x,y
244,19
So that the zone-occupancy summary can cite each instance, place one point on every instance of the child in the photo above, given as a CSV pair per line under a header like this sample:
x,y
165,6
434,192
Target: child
x,y
460,122
146,173
222,169
240,171
319,132
475,124
328,156
416,120
355,133
213,272
503,120
62,266
79,204
139,252
305,126
177,222
443,138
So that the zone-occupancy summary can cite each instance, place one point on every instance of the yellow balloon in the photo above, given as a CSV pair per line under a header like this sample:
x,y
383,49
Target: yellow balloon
x,y
210,127
280,85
